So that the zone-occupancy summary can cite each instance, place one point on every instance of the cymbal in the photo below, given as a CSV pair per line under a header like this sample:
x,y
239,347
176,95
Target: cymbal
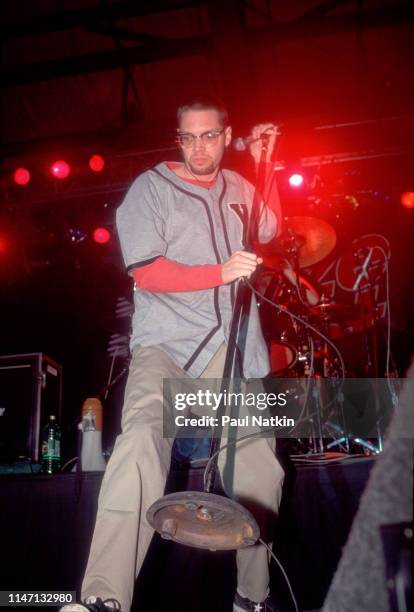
x,y
333,311
312,238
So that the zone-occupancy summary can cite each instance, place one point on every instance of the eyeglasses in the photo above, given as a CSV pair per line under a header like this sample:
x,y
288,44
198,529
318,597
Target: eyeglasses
x,y
187,140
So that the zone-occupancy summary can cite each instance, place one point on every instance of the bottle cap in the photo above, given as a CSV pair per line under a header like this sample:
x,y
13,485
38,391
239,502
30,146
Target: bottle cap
x,y
93,406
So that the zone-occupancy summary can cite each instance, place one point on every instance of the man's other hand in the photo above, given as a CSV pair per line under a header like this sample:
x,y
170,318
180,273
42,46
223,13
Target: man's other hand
x,y
255,147
241,264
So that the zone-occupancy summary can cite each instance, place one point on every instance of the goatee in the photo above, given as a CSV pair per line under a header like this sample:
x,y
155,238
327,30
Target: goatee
x,y
210,169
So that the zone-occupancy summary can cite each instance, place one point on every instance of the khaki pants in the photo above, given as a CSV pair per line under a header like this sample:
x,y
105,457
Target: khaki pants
x,y
135,478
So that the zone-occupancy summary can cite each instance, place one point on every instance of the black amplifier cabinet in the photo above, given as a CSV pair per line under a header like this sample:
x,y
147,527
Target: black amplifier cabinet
x,y
30,390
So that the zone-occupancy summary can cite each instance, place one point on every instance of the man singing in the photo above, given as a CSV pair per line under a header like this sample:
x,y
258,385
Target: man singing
x,y
181,228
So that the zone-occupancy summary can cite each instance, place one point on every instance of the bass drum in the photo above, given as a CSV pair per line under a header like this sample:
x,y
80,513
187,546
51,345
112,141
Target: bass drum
x,y
279,328
283,350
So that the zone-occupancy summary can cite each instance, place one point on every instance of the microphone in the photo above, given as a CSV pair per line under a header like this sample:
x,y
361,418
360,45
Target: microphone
x,y
241,143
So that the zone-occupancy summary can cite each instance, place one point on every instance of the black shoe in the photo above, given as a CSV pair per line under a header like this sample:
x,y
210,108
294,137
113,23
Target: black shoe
x,y
93,604
244,604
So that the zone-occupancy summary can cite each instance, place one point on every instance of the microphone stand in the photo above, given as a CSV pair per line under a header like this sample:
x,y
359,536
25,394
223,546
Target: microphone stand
x,y
203,519
240,317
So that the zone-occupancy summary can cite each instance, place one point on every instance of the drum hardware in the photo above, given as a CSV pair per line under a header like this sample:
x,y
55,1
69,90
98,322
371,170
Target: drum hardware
x,y
307,238
350,441
360,270
304,242
303,357
371,351
291,242
348,265
334,312
296,293
314,362
282,332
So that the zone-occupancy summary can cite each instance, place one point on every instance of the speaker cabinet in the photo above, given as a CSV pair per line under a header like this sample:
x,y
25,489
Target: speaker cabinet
x,y
30,390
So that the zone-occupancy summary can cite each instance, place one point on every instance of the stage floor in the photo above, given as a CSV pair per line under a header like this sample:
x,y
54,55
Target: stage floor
x,y
47,524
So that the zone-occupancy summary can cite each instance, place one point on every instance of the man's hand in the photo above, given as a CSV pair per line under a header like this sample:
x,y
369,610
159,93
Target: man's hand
x,y
255,148
241,264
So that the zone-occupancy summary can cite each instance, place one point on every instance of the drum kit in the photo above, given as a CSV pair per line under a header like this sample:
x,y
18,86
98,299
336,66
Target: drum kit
x,y
300,325
304,242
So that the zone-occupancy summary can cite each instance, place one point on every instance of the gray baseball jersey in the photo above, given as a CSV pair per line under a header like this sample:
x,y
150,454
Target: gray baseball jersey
x,y
165,216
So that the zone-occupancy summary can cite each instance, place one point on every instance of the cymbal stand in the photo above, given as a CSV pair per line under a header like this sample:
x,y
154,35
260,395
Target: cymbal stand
x,y
370,313
333,430
324,428
292,243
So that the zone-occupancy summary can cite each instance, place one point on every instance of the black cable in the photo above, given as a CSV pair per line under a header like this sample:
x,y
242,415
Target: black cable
x,y
284,574
206,469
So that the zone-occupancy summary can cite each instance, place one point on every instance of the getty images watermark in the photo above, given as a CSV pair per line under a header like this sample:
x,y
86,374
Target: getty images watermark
x,y
209,402
291,407
203,407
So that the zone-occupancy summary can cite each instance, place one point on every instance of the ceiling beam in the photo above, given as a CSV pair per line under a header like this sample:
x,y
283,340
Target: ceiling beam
x,y
173,48
104,60
323,8
314,25
112,31
65,20
115,140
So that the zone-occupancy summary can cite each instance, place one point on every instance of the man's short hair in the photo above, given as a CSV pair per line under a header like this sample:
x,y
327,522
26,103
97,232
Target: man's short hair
x,y
205,102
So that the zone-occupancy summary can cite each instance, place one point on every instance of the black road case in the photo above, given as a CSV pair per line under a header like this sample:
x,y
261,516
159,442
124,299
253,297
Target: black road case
x,y
30,390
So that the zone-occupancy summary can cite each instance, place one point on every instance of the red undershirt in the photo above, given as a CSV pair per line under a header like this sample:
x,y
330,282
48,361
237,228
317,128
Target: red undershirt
x,y
165,275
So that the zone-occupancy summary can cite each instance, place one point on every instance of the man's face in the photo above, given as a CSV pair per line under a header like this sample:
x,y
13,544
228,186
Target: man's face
x,y
200,158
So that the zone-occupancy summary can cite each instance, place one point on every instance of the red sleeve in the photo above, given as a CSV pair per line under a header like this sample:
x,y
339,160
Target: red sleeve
x,y
165,275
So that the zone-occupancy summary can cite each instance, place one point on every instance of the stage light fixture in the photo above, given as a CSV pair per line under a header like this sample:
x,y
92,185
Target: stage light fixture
x,y
21,176
296,180
96,163
60,169
407,199
101,235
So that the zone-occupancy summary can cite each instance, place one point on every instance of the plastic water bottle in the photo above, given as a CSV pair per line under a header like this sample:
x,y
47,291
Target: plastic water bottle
x,y
51,446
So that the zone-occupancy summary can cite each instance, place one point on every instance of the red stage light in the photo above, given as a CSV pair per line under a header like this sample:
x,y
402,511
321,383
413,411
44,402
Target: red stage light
x,y
3,245
21,176
96,163
295,180
60,169
101,235
407,199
